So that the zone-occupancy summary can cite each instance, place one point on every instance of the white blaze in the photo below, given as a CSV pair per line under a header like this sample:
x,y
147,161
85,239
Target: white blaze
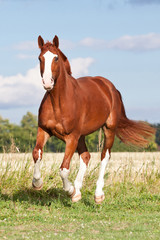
x,y
47,75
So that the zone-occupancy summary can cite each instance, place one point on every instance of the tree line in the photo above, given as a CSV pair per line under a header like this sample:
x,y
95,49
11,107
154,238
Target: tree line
x,y
22,138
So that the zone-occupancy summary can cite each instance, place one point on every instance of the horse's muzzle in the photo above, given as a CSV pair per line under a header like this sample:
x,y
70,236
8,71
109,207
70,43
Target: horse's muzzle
x,y
48,84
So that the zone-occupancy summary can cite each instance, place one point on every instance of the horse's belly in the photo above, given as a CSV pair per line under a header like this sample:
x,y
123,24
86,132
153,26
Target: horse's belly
x,y
98,103
95,119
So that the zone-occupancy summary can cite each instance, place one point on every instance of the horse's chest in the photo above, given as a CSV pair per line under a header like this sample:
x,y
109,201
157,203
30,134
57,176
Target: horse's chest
x,y
55,121
53,126
59,129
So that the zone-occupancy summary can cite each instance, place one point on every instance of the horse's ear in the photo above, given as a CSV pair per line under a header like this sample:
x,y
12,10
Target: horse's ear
x,y
56,41
40,42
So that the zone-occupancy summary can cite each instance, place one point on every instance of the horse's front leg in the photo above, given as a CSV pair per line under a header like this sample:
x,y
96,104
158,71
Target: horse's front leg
x,y
71,145
42,137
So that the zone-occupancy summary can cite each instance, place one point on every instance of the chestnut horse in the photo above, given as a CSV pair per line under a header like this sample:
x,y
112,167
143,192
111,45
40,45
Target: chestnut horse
x,y
73,108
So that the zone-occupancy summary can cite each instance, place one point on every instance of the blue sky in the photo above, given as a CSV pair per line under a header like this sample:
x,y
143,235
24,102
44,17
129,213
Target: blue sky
x,y
117,39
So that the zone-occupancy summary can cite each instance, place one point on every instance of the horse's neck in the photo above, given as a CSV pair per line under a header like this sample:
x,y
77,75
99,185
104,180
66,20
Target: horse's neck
x,y
65,81
63,93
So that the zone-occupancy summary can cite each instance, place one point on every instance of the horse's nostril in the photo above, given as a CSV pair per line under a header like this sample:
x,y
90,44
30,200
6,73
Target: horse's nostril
x,y
52,81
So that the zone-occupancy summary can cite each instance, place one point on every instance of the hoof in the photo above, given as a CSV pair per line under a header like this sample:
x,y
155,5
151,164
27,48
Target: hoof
x,y
76,198
99,199
74,192
37,184
37,188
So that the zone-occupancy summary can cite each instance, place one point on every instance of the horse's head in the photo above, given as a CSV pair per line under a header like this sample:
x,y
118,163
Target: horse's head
x,y
49,62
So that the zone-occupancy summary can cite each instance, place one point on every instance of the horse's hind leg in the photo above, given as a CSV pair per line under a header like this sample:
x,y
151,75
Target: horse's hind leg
x,y
84,159
42,137
109,135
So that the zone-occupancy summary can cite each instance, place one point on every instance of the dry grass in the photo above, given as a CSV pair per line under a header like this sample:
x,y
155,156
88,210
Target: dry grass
x,y
138,162
133,167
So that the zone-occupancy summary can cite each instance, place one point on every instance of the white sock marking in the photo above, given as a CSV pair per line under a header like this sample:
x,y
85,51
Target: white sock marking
x,y
37,173
39,154
67,185
80,176
100,181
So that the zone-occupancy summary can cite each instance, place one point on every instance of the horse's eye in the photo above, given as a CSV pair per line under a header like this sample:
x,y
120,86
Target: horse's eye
x,y
56,59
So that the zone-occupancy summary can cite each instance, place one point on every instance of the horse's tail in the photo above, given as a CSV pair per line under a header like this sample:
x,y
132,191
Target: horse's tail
x,y
133,132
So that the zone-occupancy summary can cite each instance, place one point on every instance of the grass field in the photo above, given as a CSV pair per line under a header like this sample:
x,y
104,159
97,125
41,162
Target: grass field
x,y
131,209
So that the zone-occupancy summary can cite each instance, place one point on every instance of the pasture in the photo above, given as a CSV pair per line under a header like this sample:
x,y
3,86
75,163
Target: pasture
x,y
131,209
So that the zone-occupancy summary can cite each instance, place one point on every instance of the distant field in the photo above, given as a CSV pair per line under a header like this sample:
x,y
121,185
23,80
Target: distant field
x,y
131,209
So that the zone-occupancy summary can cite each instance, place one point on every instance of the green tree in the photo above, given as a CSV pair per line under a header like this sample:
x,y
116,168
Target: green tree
x,y
157,126
28,132
92,142
5,138
29,121
54,145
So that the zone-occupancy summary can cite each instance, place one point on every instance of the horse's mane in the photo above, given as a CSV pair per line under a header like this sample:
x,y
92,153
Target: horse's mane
x,y
66,62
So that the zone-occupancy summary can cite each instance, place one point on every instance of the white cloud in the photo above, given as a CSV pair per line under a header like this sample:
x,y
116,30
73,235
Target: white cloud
x,y
21,90
80,66
92,42
146,42
26,90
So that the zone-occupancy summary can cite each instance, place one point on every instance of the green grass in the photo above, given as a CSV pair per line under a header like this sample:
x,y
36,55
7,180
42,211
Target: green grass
x,y
131,209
